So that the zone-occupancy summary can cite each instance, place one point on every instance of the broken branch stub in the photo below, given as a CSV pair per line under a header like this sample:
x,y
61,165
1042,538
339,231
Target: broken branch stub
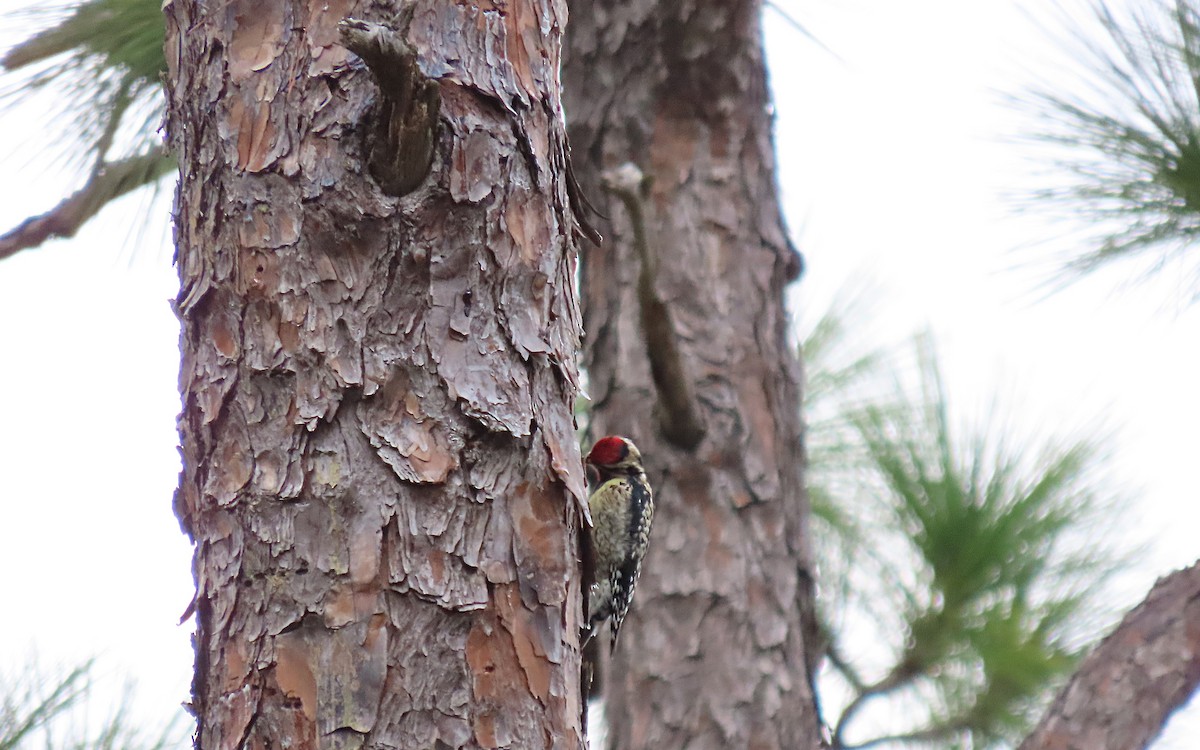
x,y
678,416
401,151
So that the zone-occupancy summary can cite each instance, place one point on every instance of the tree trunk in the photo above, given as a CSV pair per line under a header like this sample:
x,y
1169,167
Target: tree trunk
x,y
380,469
688,354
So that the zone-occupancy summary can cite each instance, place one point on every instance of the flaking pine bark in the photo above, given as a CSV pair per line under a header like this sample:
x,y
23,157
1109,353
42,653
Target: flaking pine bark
x,y
687,353
380,327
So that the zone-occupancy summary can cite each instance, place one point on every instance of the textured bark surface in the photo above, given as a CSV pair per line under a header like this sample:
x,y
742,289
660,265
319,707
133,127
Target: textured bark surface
x,y
713,653
1122,695
380,470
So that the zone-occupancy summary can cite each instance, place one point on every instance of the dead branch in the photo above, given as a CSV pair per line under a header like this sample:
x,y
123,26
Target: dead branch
x,y
401,153
679,417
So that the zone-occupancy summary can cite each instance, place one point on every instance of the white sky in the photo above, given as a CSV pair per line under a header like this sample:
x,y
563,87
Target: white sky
x,y
893,159
896,152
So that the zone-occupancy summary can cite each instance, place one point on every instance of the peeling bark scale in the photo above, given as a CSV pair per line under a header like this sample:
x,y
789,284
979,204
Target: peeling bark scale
x,y
713,654
381,475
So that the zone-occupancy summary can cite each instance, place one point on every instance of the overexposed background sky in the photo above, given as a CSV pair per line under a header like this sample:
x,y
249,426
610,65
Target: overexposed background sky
x,y
896,150
899,157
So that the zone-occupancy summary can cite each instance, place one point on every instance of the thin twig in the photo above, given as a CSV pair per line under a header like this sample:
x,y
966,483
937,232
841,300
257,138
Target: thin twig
x,y
109,181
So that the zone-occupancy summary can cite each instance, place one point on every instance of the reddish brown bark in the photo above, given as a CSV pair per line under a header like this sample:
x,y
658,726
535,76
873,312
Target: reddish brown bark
x,y
380,470
1125,690
713,655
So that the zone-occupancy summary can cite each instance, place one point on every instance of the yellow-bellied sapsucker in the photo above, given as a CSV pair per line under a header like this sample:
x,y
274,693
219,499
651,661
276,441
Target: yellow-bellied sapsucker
x,y
622,508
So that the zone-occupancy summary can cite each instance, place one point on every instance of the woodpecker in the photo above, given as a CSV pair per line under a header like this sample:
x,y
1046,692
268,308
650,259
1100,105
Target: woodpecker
x,y
622,507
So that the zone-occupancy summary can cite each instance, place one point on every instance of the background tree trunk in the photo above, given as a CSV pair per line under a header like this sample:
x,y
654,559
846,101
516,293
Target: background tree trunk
x,y
714,652
380,470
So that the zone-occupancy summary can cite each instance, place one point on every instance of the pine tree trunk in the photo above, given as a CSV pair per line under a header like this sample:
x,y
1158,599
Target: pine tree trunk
x,y
380,470
694,363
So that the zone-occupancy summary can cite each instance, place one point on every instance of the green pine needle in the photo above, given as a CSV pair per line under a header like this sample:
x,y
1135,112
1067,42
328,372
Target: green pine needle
x,y
974,548
1128,139
36,707
97,65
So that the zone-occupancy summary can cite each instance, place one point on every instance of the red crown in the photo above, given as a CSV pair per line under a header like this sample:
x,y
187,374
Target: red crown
x,y
608,450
